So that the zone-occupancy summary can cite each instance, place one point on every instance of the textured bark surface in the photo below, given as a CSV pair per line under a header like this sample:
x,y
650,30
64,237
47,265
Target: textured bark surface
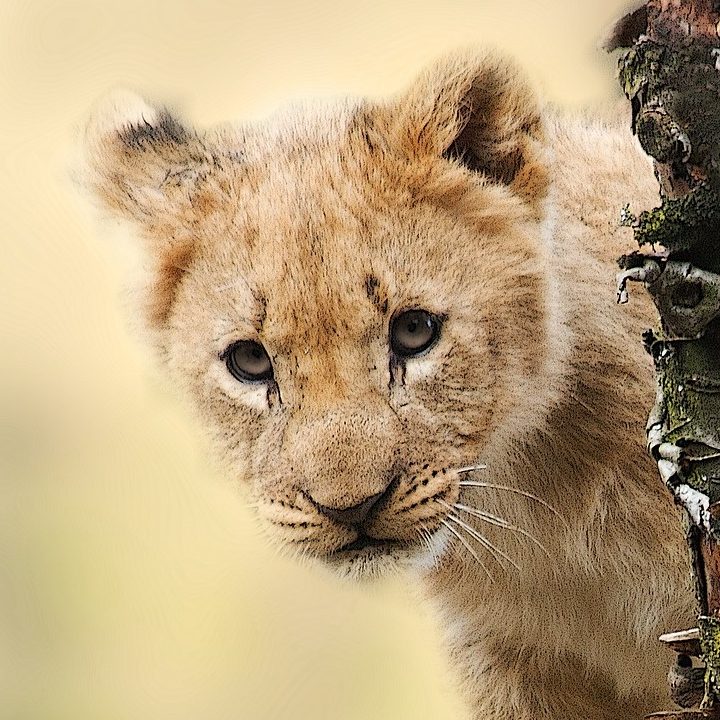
x,y
671,77
683,21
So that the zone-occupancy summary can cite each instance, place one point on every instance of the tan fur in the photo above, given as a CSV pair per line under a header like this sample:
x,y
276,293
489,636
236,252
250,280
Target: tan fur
x,y
308,233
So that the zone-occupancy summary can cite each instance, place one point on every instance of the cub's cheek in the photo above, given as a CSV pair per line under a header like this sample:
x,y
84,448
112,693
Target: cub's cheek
x,y
252,395
422,367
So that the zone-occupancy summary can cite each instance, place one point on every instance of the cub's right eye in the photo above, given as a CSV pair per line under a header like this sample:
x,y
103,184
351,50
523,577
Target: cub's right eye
x,y
247,361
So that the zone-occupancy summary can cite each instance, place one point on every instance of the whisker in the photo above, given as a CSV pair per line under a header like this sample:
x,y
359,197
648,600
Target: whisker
x,y
423,538
457,552
501,522
524,493
436,555
494,551
470,468
426,538
469,549
492,519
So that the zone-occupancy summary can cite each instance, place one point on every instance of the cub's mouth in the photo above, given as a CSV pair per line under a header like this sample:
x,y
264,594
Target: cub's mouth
x,y
405,523
365,542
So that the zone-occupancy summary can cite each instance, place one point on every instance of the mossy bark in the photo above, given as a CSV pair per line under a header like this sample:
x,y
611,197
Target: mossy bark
x,y
671,77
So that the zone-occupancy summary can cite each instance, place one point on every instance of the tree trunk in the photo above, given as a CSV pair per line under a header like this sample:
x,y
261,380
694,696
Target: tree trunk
x,y
671,77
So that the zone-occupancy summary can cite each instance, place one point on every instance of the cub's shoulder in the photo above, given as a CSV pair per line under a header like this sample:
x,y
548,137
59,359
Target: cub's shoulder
x,y
597,160
598,168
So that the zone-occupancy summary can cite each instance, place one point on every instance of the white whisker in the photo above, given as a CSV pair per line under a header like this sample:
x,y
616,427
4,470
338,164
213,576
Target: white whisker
x,y
423,538
469,549
470,468
426,538
457,551
501,522
524,493
492,549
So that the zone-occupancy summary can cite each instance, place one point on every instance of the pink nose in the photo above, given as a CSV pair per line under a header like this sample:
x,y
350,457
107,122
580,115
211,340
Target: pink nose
x,y
353,515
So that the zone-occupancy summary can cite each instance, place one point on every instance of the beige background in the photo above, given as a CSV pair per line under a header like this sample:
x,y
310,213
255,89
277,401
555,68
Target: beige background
x,y
133,583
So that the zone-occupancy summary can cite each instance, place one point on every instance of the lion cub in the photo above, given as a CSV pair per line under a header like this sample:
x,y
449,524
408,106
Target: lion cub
x,y
396,319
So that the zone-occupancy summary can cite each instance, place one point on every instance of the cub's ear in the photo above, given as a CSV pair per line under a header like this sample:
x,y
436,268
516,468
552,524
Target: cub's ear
x,y
144,166
141,162
479,111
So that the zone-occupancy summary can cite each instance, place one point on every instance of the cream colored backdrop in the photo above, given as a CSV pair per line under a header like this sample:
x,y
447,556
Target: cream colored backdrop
x,y
133,583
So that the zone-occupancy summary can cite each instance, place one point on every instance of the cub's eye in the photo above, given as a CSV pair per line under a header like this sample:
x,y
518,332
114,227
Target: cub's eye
x,y
413,332
247,361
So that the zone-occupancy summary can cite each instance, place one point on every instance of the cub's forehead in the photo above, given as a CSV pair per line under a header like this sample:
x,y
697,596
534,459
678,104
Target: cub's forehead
x,y
301,128
310,191
297,173
314,255
323,218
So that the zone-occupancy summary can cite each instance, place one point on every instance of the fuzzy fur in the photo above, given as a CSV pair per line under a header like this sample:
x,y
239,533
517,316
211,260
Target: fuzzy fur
x,y
308,233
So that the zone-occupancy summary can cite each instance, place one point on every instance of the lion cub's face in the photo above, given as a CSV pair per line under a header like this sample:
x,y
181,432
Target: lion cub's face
x,y
349,293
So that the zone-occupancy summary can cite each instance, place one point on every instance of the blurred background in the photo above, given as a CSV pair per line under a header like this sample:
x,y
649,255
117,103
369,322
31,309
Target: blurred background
x,y
133,582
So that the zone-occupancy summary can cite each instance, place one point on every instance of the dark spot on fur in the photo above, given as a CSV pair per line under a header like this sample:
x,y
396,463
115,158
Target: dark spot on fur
x,y
366,136
464,156
361,128
262,312
371,286
376,294
166,130
423,501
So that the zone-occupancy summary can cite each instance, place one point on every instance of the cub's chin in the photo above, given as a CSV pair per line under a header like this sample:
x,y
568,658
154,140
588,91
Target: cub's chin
x,y
368,563
368,559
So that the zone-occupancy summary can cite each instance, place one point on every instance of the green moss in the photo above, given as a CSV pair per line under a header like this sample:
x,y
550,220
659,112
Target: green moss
x,y
710,644
682,224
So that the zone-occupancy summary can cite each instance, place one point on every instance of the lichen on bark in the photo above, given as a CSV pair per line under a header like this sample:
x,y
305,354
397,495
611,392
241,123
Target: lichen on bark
x,y
680,224
671,77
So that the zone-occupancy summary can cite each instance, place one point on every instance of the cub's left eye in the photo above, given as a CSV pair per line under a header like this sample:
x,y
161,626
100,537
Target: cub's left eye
x,y
248,361
413,332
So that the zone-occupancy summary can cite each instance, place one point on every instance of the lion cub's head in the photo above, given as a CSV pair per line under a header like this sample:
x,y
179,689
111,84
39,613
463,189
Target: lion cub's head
x,y
351,293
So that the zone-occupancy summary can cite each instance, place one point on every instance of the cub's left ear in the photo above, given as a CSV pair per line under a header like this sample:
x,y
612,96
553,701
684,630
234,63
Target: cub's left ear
x,y
479,111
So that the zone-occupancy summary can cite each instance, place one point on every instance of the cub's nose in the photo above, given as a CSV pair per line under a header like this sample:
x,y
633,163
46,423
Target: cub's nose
x,y
353,515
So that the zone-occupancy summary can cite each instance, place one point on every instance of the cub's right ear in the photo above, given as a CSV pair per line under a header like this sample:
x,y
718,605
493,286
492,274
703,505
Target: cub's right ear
x,y
142,164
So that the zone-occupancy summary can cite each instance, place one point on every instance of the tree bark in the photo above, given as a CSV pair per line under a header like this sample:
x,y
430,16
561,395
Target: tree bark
x,y
671,77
